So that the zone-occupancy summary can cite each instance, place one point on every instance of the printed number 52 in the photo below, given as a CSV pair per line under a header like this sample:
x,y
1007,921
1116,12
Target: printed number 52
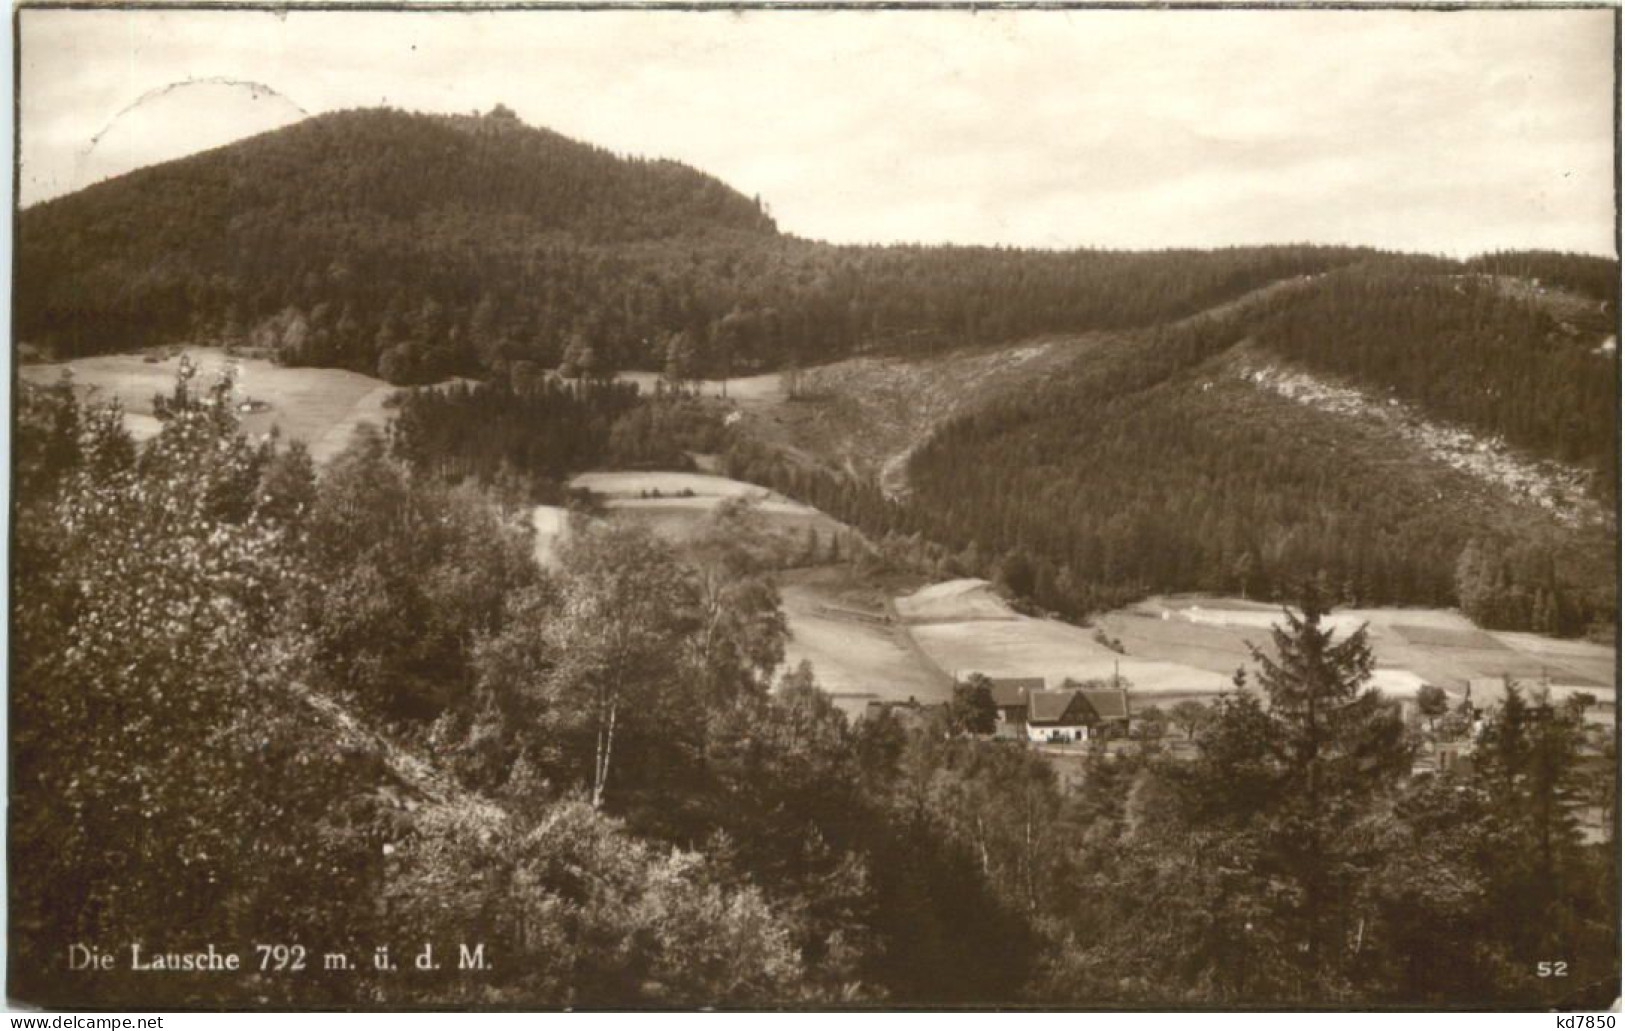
x,y
1551,969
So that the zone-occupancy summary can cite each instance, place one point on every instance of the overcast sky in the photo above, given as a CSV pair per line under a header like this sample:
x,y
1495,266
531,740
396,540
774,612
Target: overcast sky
x,y
1447,132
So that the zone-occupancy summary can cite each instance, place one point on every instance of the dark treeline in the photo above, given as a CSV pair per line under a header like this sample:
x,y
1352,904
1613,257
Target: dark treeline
x,y
1151,465
415,247
343,708
527,433
1186,488
1467,353
535,433
1590,277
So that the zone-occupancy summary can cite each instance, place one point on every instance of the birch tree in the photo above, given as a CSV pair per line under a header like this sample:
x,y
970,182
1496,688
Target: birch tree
x,y
739,641
619,638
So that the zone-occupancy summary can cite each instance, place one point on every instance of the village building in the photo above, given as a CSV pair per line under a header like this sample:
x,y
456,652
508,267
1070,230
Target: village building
x,y
1029,711
1010,696
1111,705
1057,717
1075,715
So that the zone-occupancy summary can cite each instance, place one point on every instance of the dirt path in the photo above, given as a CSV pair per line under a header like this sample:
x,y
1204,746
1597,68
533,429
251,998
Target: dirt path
x,y
368,408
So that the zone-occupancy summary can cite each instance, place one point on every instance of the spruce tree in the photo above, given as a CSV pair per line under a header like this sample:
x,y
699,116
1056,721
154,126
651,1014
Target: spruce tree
x,y
1339,746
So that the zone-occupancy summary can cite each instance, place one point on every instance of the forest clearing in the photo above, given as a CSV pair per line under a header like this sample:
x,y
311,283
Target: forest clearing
x,y
675,504
318,407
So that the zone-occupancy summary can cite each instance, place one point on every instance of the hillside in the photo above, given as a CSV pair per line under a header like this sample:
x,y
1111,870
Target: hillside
x,y
345,226
1084,426
416,246
1418,432
538,671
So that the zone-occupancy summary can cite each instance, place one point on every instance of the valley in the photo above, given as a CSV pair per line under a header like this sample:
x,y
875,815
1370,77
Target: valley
x,y
643,646
872,635
888,637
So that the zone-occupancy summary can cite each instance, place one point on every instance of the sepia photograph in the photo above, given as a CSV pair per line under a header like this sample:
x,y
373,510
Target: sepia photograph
x,y
1021,507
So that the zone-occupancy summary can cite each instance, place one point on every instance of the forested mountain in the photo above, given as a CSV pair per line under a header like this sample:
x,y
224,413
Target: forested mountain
x,y
344,707
1471,349
415,245
1162,461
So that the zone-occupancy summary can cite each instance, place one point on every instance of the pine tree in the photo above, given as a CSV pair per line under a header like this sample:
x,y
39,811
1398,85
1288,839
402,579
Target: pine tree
x,y
1339,745
1527,763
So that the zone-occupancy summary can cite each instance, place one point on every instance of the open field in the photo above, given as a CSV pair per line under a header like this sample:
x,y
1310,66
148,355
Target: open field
x,y
320,407
856,652
964,627
615,485
767,387
954,601
1252,616
687,498
1027,647
1593,662
1190,646
1437,646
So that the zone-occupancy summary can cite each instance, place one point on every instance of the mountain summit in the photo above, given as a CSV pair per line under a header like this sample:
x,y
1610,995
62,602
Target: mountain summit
x,y
356,208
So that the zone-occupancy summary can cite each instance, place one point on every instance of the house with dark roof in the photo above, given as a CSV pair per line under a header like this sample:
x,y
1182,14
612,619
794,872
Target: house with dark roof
x,y
1065,717
1029,711
1010,698
1110,704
